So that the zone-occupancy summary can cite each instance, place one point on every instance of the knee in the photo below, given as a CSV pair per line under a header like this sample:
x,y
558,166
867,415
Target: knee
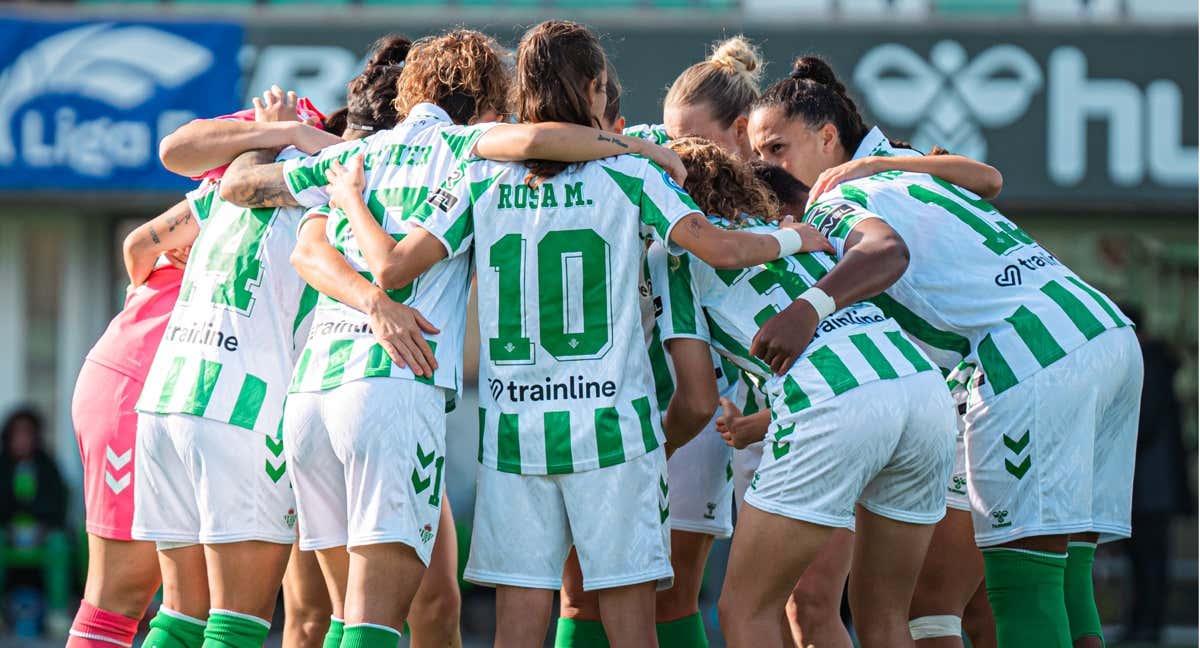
x,y
441,608
675,603
729,612
310,628
809,605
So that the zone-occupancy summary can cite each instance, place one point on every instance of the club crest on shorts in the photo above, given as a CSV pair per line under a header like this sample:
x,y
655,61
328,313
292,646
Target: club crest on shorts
x,y
289,518
426,533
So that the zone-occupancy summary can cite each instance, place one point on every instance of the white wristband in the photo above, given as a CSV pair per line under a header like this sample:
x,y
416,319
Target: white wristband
x,y
789,241
820,301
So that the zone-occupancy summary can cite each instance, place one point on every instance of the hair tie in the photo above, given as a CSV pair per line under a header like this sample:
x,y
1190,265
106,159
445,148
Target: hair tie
x,y
797,74
360,127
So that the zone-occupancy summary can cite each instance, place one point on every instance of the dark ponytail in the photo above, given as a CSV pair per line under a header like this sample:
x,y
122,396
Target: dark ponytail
x,y
370,97
813,93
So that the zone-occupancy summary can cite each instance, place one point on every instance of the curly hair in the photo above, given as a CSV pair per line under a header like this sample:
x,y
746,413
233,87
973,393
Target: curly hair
x,y
557,61
464,72
723,185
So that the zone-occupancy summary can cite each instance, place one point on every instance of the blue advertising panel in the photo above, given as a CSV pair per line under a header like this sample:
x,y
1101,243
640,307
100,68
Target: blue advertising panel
x,y
83,105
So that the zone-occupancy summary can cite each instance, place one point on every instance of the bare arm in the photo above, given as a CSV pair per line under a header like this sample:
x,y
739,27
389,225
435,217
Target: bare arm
x,y
721,248
394,264
982,179
695,398
174,228
255,179
739,430
875,257
570,143
397,327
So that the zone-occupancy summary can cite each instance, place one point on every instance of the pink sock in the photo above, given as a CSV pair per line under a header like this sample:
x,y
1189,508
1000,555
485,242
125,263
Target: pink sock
x,y
96,628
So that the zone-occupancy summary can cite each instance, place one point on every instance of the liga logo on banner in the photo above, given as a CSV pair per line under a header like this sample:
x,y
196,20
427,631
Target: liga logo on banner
x,y
84,105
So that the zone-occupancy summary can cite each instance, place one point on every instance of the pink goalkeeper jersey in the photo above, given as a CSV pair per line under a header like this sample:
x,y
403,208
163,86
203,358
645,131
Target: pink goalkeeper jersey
x,y
129,343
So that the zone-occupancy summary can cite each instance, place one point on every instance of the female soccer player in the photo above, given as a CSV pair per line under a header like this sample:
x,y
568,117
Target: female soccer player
x,y
1047,476
560,420
456,78
123,573
210,471
860,421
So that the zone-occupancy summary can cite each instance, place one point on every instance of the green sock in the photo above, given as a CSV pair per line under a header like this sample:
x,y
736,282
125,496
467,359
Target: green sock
x,y
227,629
333,636
170,629
687,632
369,635
578,633
1025,589
1080,597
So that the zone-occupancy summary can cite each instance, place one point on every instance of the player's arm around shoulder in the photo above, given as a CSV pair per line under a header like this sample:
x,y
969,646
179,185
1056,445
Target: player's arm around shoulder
x,y
174,229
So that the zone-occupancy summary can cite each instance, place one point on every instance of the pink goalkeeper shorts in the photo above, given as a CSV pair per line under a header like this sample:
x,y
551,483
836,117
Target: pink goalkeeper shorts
x,y
106,428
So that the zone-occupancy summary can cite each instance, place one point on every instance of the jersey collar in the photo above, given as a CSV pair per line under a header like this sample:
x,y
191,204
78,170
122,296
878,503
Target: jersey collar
x,y
874,143
426,111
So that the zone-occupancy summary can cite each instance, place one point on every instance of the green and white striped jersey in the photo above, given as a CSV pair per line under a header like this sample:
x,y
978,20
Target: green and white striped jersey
x,y
977,288
853,346
400,165
656,302
241,318
656,133
564,376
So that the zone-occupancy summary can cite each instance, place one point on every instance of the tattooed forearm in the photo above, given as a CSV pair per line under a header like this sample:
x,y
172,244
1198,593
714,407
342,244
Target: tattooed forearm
x,y
180,219
154,236
253,179
609,138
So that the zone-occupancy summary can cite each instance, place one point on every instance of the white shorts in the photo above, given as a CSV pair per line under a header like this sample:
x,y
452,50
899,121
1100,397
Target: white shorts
x,y
208,482
887,445
1054,454
956,489
701,480
616,517
367,461
745,462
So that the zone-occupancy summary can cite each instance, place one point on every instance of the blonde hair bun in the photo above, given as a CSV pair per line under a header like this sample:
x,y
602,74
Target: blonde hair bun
x,y
739,55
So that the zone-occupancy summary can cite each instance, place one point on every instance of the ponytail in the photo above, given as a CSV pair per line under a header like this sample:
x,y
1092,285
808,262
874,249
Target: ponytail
x,y
371,96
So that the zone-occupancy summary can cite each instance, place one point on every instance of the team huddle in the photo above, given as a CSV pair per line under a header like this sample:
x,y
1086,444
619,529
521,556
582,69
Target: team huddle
x,y
762,305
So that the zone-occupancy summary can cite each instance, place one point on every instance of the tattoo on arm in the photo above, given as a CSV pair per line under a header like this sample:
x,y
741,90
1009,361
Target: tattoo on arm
x,y
154,236
255,180
615,140
181,219
694,225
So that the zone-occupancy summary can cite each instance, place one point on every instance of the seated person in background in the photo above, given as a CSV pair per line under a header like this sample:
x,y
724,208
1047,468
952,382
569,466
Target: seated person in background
x,y
33,510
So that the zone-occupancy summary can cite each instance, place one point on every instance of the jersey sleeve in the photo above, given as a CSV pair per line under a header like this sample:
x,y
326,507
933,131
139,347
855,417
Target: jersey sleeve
x,y
656,133
448,212
305,176
663,204
462,139
677,305
836,214
324,211
202,200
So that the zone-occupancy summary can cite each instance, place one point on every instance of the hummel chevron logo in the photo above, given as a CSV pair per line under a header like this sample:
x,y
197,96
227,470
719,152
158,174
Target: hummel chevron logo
x,y
662,486
275,473
664,513
118,461
424,459
418,483
117,485
1017,445
275,445
1018,470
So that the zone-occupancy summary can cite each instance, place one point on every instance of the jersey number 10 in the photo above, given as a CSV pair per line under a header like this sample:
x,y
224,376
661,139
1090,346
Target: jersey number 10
x,y
565,258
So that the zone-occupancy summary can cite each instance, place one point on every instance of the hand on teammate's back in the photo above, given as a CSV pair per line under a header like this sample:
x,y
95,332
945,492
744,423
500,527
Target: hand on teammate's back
x,y
667,159
812,239
845,172
345,182
178,256
785,336
398,329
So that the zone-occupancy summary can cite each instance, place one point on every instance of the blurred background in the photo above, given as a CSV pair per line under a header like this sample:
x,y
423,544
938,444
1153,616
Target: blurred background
x,y
1088,107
